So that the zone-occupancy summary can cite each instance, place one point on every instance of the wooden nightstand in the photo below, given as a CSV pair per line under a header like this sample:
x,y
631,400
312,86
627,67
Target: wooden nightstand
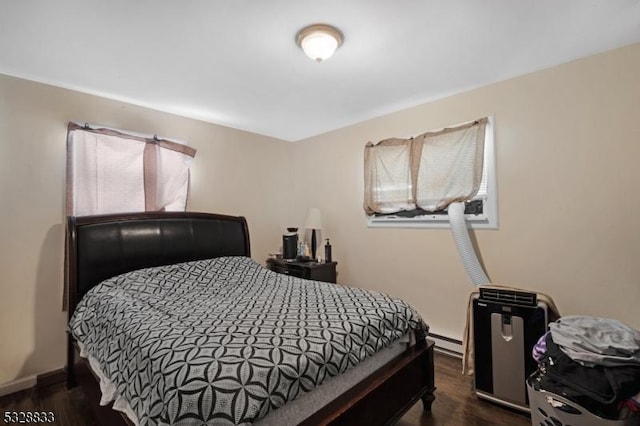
x,y
307,270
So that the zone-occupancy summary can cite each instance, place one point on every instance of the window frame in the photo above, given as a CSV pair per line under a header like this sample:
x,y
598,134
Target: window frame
x,y
487,220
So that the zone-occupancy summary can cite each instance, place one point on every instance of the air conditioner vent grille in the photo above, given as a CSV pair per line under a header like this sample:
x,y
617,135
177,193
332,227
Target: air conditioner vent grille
x,y
512,297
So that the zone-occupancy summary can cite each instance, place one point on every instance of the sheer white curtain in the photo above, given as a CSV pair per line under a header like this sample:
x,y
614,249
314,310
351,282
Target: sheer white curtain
x,y
388,180
109,171
429,171
450,165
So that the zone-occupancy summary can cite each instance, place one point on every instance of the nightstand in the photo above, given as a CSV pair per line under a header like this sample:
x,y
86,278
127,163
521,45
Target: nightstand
x,y
307,270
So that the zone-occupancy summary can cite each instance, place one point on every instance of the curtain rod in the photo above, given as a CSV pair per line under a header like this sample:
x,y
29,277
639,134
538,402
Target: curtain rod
x,y
155,137
173,145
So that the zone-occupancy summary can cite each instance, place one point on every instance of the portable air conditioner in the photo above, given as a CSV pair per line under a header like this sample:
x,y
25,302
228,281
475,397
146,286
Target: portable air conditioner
x,y
506,325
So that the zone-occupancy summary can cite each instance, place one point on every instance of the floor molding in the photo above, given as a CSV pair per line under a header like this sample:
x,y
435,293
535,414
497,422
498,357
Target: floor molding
x,y
18,385
447,345
51,378
37,381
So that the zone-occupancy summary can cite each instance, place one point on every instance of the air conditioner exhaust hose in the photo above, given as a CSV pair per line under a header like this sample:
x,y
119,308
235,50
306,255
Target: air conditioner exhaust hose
x,y
463,244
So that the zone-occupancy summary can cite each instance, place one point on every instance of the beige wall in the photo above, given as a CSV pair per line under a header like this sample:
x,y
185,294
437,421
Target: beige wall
x,y
567,138
234,172
568,144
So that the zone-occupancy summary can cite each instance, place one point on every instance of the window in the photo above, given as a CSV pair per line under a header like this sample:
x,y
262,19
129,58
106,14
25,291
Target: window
x,y
400,190
109,171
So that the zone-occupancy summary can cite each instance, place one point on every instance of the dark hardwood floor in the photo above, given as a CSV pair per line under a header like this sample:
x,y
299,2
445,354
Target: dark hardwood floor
x,y
455,404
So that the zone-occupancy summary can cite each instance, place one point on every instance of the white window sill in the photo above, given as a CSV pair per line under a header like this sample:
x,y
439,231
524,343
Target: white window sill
x,y
432,221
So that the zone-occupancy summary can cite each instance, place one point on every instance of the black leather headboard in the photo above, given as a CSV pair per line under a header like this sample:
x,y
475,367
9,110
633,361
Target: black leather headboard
x,y
100,247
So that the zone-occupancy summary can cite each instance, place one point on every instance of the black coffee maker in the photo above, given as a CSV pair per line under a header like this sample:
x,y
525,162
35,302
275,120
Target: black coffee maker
x,y
290,244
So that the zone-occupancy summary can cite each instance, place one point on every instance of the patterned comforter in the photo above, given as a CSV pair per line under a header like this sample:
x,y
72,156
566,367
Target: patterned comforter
x,y
226,341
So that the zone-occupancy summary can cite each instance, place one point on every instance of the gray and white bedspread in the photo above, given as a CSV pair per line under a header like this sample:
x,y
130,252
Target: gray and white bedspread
x,y
226,341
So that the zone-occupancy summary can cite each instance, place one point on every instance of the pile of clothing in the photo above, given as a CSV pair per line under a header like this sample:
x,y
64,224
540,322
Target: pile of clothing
x,y
594,362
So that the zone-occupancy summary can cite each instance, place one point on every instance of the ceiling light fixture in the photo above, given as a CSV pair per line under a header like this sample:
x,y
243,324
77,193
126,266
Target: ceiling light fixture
x,y
319,41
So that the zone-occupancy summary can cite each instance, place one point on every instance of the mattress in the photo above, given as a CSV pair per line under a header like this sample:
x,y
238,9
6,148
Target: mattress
x,y
226,341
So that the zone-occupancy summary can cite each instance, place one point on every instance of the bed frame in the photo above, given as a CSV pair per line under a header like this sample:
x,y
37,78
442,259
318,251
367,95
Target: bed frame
x,y
99,247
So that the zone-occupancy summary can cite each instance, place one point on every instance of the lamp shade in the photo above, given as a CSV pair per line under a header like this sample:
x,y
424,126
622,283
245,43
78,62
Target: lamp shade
x,y
314,221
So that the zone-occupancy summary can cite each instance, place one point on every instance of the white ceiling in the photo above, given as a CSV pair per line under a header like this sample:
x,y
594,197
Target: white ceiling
x,y
235,62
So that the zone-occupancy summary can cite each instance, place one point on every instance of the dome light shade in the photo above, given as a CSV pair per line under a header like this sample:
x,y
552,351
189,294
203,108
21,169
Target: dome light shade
x,y
319,41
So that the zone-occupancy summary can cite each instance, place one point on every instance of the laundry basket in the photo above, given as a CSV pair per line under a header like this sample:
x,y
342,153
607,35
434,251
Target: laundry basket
x,y
549,409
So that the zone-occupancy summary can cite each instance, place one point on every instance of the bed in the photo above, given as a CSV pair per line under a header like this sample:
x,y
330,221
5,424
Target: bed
x,y
100,249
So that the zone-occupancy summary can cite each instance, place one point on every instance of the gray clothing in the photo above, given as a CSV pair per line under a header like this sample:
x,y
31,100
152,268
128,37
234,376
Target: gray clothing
x,y
597,341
